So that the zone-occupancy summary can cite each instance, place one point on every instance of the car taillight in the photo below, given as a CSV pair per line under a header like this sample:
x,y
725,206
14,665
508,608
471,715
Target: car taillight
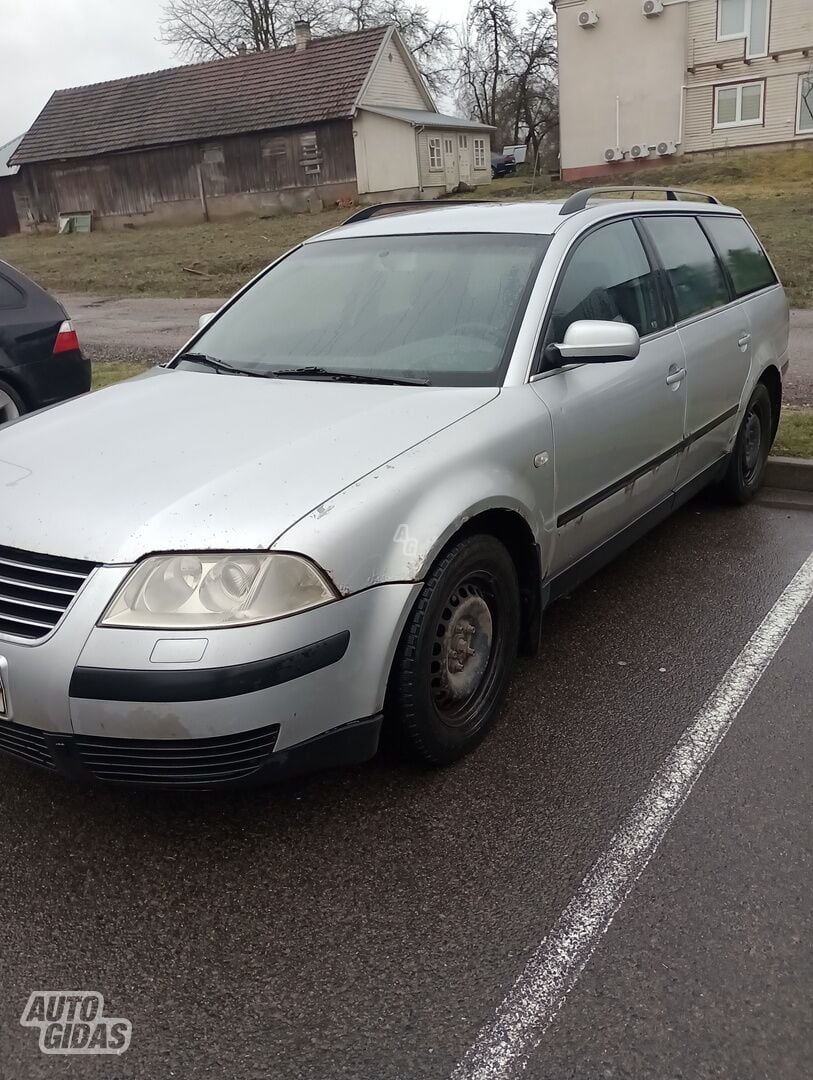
x,y
66,339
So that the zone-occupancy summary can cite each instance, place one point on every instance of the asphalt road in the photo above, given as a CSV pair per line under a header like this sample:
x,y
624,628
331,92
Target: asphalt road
x,y
364,924
137,328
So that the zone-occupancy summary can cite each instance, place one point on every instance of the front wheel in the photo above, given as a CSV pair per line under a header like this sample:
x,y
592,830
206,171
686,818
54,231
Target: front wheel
x,y
750,454
456,653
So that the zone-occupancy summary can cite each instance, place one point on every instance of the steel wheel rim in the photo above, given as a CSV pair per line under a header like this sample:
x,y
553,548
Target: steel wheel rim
x,y
8,410
465,650
751,444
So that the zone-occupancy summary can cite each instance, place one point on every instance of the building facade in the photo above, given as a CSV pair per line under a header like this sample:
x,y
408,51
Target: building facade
x,y
645,80
323,121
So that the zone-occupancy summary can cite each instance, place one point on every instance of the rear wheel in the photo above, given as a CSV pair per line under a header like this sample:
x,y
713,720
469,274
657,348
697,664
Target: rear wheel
x,y
456,653
11,405
750,454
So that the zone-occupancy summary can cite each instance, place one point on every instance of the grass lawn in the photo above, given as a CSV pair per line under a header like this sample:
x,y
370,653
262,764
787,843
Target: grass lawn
x,y
795,435
794,439
772,188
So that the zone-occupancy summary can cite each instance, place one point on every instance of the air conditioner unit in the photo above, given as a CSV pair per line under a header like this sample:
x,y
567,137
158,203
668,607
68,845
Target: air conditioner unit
x,y
639,150
588,18
651,8
665,148
613,153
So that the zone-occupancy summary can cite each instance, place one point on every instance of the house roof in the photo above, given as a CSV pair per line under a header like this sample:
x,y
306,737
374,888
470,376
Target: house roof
x,y
5,153
255,92
421,118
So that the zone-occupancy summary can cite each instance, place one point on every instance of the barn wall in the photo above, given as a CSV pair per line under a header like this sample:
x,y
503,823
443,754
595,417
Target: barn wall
x,y
240,174
8,211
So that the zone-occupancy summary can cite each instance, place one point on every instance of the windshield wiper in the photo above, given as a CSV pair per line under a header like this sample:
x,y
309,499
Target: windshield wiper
x,y
217,365
344,376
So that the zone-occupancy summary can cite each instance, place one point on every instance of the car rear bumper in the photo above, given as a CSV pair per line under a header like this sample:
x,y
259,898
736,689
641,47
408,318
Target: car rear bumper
x,y
51,380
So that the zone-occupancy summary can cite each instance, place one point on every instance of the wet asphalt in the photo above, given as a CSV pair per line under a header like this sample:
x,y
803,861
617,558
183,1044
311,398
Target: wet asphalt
x,y
363,924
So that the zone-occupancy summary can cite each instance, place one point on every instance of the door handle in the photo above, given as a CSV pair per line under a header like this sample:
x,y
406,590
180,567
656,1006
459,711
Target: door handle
x,y
744,340
676,377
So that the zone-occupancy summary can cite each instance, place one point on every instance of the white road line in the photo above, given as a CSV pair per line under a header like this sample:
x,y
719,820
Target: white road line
x,y
502,1047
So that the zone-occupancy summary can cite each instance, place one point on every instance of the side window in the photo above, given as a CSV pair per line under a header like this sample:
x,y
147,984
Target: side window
x,y
741,253
609,277
10,295
690,263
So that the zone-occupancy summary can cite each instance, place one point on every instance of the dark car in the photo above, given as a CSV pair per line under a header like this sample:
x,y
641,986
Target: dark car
x,y
502,165
40,359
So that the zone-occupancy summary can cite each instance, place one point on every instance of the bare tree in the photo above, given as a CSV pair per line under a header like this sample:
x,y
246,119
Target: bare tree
x,y
203,29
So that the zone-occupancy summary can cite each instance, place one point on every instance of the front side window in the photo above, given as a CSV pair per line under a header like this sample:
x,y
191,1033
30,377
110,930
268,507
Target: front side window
x,y
435,156
741,253
804,114
440,308
738,105
609,278
479,153
748,19
687,256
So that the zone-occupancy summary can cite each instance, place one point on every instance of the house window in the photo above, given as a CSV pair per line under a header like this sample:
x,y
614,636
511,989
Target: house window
x,y
739,105
463,142
479,153
448,146
749,19
275,147
435,156
804,113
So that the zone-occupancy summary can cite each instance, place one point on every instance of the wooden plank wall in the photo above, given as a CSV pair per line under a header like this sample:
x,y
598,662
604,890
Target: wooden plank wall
x,y
133,183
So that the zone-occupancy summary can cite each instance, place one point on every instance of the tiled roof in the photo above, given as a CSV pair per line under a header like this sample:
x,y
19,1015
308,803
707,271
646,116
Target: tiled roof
x,y
254,92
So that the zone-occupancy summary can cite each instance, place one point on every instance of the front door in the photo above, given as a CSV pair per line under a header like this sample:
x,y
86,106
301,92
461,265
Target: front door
x,y
465,160
450,163
617,427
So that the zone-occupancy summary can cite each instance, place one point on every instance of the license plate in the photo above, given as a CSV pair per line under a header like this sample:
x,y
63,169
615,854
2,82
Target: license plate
x,y
5,704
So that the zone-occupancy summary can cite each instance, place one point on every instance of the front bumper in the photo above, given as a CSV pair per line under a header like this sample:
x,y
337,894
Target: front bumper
x,y
271,696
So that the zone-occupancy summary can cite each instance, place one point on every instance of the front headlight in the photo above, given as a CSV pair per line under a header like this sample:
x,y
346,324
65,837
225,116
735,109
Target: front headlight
x,y
205,592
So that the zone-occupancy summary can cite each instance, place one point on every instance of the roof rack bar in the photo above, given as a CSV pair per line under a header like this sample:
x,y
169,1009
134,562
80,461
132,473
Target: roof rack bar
x,y
580,199
384,209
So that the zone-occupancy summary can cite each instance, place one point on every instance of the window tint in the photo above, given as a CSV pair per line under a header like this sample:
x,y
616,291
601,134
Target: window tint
x,y
609,277
691,265
10,295
740,251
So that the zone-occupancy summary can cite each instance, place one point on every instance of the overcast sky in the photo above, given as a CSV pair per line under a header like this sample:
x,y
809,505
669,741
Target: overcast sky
x,y
46,45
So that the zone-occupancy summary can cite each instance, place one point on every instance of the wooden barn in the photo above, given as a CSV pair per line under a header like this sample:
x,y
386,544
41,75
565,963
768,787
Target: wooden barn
x,y
326,119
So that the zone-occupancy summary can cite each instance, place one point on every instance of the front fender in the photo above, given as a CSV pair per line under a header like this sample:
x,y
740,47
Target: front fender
x,y
390,525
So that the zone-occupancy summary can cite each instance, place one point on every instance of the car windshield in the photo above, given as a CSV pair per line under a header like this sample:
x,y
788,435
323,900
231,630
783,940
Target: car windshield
x,y
439,309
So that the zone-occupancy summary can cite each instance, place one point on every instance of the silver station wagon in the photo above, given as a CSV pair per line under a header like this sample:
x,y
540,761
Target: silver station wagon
x,y
340,511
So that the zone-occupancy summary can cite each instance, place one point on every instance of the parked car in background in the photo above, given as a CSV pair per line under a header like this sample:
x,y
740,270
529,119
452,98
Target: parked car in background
x,y
41,362
502,165
348,500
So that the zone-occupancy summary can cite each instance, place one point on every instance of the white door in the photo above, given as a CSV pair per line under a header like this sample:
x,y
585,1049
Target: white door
x,y
465,159
450,163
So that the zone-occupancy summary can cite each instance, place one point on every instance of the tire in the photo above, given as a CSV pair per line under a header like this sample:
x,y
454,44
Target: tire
x,y
747,464
456,653
11,404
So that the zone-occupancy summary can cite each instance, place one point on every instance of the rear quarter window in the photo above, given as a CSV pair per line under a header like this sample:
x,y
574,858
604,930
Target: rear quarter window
x,y
10,295
741,253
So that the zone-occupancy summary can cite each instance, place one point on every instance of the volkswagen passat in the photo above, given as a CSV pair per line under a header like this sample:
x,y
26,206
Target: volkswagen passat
x,y
347,501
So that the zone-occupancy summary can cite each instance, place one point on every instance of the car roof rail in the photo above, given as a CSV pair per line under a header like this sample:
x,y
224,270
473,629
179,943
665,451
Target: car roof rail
x,y
387,208
580,199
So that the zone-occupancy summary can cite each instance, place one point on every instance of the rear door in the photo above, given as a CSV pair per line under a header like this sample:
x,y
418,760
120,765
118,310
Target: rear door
x,y
617,426
450,163
715,334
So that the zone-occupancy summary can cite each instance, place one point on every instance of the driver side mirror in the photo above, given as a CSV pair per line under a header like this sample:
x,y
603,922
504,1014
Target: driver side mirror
x,y
593,341
205,319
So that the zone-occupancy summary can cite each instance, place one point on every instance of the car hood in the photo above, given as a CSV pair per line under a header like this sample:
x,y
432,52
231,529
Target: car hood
x,y
184,460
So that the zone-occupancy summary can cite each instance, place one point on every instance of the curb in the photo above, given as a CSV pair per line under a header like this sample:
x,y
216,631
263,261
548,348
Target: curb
x,y
793,474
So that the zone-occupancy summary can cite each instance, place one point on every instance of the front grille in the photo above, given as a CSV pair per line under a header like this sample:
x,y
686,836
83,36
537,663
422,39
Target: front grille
x,y
188,763
36,591
25,743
